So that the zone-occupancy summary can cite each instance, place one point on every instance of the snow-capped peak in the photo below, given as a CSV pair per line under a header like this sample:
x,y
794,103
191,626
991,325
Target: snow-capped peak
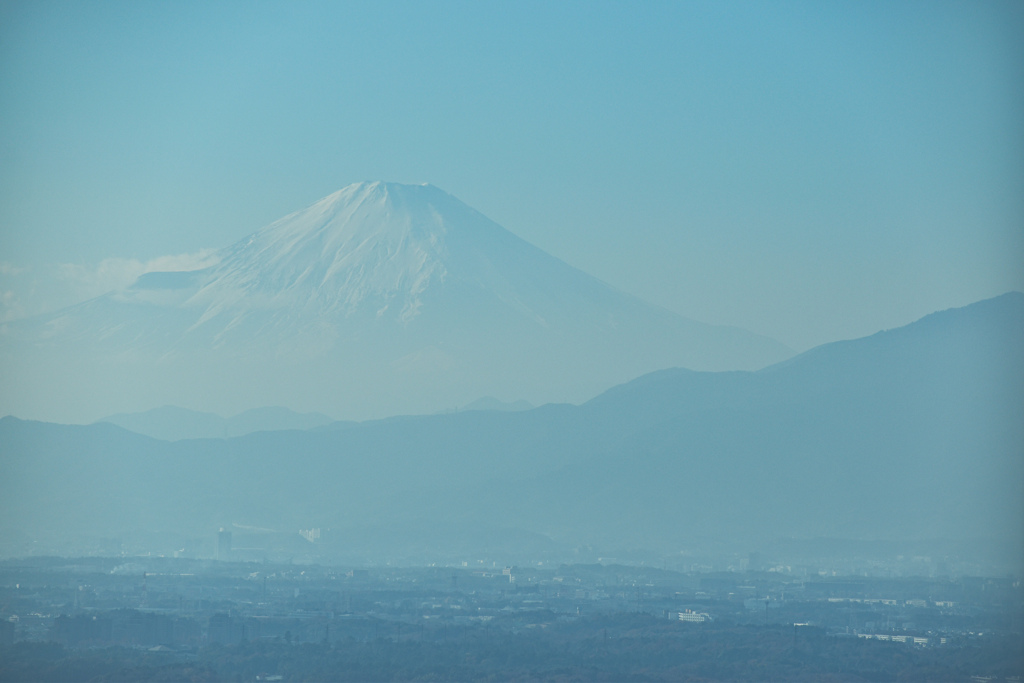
x,y
377,299
371,244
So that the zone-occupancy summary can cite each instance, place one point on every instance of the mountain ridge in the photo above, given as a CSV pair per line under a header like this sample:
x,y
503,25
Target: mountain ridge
x,y
171,423
914,450
378,299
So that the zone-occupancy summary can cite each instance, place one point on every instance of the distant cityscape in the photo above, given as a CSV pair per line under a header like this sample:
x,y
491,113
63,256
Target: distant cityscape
x,y
177,613
511,341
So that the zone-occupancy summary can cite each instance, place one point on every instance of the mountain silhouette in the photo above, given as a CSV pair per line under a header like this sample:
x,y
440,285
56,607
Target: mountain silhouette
x,y
377,300
909,435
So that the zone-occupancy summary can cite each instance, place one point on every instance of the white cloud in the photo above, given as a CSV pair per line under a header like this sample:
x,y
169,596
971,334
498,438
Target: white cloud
x,y
25,292
117,273
204,258
15,284
11,269
10,306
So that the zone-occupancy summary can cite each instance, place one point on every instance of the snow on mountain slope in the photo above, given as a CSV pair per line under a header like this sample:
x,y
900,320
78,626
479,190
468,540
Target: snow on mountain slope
x,y
377,250
364,246
379,298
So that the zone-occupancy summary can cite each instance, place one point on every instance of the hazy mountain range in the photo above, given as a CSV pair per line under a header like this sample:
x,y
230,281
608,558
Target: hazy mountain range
x,y
379,299
912,433
171,423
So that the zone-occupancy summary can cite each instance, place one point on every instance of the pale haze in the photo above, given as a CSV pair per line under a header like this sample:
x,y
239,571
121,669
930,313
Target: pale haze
x,y
492,341
379,299
806,172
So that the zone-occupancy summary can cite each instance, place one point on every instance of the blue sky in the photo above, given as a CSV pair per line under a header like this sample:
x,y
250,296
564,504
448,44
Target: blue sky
x,y
811,171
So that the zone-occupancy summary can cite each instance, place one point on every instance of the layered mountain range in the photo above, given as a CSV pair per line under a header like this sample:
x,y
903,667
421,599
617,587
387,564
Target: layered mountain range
x,y
379,299
910,435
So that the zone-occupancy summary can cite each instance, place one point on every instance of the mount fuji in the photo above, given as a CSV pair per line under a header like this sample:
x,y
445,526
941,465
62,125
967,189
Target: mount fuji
x,y
378,299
